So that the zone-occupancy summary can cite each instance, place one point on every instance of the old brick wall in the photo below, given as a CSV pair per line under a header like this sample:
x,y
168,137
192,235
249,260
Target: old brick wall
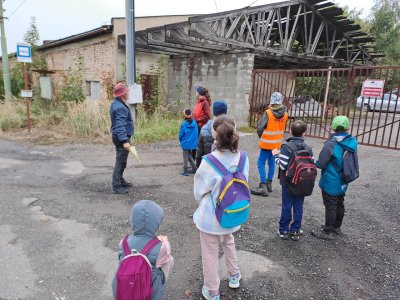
x,y
228,77
98,62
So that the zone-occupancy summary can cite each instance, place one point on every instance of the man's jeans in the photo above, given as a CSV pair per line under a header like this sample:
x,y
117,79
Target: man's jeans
x,y
120,163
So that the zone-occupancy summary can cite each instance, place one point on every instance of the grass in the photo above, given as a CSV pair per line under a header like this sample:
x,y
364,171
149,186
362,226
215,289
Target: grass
x,y
89,121
247,129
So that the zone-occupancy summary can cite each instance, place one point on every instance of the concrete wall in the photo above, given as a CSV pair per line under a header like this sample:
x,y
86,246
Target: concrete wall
x,y
227,77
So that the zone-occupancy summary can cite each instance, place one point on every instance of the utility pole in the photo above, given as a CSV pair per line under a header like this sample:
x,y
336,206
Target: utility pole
x,y
130,50
4,54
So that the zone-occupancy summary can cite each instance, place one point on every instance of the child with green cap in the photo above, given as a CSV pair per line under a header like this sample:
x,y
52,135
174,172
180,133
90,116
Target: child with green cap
x,y
333,188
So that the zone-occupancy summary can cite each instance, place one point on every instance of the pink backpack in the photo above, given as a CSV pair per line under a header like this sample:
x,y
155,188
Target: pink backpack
x,y
134,273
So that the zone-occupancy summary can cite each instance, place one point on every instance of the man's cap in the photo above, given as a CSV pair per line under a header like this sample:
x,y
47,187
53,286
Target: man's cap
x,y
276,98
341,121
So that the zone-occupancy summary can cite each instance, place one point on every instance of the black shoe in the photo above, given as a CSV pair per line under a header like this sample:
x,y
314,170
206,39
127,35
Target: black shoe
x,y
284,235
125,184
295,236
260,190
120,190
335,230
269,186
322,234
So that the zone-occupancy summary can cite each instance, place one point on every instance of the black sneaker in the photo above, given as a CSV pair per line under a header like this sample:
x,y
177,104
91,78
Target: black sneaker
x,y
284,235
335,230
120,190
126,184
260,190
295,236
322,234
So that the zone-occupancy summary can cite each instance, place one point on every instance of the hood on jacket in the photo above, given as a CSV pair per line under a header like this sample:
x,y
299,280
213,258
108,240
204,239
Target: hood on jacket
x,y
207,129
278,111
347,141
189,122
146,218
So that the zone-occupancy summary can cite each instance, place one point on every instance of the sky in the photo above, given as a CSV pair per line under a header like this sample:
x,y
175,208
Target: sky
x,y
61,18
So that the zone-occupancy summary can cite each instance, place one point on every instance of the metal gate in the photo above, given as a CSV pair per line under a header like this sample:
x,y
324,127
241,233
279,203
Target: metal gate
x,y
318,95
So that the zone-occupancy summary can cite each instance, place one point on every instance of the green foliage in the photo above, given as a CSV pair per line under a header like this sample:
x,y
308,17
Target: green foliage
x,y
72,88
17,79
32,36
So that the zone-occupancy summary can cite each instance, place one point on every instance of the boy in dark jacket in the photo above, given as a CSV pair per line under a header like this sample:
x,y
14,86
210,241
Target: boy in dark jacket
x,y
290,201
330,161
206,139
188,137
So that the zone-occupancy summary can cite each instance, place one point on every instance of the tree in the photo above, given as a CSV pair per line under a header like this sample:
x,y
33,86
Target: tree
x,y
385,27
32,36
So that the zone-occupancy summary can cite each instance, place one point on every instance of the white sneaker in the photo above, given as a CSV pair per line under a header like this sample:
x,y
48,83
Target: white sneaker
x,y
234,280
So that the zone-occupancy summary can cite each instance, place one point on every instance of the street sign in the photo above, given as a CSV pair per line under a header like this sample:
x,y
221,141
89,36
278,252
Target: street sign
x,y
24,53
26,94
373,88
135,94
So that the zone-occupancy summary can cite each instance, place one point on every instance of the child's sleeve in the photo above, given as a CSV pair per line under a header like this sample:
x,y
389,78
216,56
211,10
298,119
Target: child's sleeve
x,y
262,124
181,133
165,261
325,156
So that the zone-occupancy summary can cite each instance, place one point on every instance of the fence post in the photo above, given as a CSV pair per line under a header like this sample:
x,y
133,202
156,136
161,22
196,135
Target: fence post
x,y
328,82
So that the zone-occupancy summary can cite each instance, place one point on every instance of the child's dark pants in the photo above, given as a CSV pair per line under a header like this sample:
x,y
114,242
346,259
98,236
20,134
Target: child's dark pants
x,y
334,211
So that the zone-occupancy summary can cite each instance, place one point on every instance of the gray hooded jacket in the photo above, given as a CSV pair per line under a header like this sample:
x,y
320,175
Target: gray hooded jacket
x,y
146,218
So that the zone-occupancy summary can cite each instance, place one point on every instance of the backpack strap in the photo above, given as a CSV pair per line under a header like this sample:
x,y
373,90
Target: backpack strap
x,y
216,164
242,160
125,246
149,246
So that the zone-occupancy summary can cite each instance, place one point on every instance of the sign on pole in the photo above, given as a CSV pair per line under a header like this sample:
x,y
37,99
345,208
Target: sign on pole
x,y
26,94
24,53
135,94
373,88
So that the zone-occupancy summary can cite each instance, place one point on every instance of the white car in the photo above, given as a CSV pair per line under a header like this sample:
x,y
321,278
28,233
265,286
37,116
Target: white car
x,y
389,102
304,107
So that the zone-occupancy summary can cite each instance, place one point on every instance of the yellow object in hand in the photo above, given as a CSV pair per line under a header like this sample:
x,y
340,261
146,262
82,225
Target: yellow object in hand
x,y
134,153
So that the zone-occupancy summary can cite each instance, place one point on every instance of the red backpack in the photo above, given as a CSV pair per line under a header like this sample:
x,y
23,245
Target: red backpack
x,y
134,273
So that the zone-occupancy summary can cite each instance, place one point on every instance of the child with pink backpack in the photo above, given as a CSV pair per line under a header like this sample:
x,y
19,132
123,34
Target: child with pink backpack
x,y
222,193
145,259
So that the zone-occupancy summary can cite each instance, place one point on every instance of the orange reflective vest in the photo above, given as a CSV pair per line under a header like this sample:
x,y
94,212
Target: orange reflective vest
x,y
272,137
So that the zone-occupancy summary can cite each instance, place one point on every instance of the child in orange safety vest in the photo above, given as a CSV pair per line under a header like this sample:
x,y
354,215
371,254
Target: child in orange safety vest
x,y
270,129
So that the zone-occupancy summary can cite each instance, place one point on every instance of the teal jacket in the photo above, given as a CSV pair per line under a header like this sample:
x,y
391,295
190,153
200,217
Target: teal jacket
x,y
330,162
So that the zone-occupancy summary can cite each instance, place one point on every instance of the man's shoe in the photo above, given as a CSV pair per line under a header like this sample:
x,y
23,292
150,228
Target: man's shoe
x,y
260,190
269,185
208,296
185,173
322,234
120,190
234,280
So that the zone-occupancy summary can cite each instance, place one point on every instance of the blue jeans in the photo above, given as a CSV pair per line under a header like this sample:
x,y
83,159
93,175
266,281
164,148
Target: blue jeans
x,y
266,155
290,201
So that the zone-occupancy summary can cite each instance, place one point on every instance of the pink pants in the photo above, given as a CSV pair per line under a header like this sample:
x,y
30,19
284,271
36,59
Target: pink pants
x,y
209,255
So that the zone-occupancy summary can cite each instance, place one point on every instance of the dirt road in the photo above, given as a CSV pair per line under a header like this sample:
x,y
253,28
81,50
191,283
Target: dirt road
x,y
60,227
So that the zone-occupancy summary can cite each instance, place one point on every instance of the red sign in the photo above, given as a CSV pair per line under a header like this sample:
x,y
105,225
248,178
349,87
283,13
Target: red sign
x,y
373,88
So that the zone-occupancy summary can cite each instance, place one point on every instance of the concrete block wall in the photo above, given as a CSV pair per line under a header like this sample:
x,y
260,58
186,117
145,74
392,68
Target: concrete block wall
x,y
228,77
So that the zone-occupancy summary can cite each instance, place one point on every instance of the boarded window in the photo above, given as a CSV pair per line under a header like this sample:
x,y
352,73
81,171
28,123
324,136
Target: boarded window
x,y
45,88
93,90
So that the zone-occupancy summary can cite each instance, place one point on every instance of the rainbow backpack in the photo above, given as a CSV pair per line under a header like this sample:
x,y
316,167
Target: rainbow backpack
x,y
233,203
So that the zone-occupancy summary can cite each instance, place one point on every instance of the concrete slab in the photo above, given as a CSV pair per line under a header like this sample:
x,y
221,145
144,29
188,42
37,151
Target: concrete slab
x,y
73,168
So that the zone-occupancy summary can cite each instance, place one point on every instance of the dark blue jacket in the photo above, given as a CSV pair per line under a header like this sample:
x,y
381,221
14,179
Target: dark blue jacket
x,y
330,162
121,120
188,134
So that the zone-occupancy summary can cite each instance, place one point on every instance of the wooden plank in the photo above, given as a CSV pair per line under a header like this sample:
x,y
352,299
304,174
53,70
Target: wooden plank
x,y
280,28
233,27
317,37
268,26
249,30
290,42
287,28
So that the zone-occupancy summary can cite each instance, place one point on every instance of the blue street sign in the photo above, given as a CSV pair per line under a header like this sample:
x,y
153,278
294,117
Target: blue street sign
x,y
24,53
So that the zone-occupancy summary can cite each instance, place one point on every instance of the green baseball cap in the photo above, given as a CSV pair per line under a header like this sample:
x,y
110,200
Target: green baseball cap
x,y
341,121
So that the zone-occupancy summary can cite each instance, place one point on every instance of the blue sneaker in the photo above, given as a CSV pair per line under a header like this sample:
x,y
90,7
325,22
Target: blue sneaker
x,y
234,280
208,296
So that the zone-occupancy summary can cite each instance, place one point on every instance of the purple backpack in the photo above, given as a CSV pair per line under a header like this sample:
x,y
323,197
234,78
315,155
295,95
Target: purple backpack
x,y
233,203
134,273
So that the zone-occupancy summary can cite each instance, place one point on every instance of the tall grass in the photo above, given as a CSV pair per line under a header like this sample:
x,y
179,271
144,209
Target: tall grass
x,y
89,120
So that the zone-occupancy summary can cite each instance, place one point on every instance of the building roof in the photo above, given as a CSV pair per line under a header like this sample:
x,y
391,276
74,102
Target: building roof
x,y
304,32
105,29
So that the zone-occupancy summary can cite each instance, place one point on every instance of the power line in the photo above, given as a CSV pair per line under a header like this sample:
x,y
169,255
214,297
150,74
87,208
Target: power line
x,y
23,1
215,1
253,3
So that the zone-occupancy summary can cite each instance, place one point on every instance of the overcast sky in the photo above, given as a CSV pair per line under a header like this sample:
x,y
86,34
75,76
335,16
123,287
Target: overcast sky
x,y
61,18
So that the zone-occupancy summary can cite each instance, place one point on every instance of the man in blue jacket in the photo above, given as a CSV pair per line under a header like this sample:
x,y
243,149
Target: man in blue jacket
x,y
122,131
330,161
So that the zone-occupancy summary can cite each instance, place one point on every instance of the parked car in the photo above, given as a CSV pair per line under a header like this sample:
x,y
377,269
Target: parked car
x,y
304,106
389,102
